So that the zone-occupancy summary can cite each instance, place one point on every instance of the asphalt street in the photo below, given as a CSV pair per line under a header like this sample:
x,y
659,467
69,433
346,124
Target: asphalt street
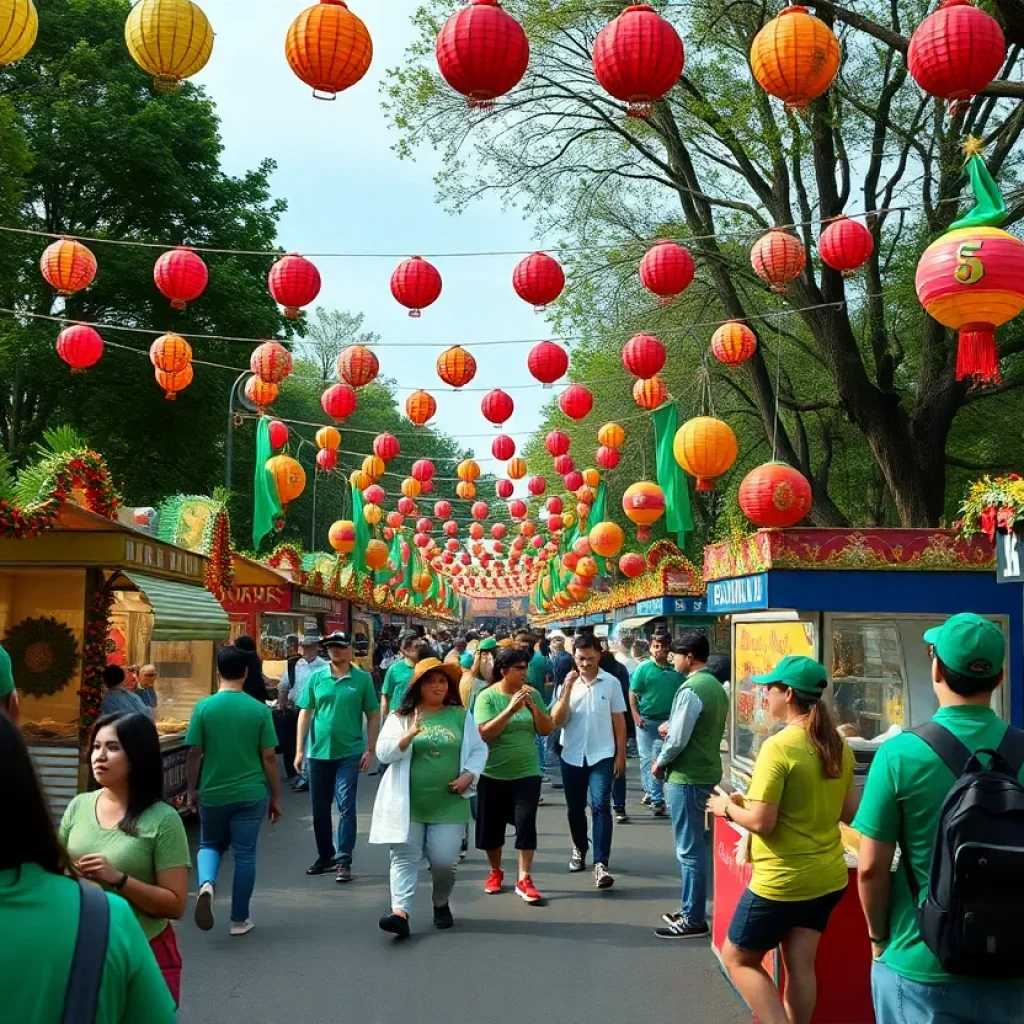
x,y
585,957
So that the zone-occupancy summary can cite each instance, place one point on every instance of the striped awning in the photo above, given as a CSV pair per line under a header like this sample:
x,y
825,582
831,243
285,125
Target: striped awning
x,y
182,612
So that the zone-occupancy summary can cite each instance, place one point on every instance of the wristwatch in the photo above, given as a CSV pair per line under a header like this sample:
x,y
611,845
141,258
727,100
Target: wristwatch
x,y
121,882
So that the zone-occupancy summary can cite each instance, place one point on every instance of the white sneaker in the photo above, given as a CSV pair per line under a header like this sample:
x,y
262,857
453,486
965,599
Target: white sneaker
x,y
204,907
241,927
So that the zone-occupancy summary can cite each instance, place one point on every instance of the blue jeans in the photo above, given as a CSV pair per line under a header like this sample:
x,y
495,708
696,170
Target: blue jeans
x,y
595,779
334,779
542,752
899,1000
236,826
686,806
649,744
619,793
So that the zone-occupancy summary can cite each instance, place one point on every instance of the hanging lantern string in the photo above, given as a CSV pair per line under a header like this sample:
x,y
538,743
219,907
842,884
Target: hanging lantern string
x,y
778,382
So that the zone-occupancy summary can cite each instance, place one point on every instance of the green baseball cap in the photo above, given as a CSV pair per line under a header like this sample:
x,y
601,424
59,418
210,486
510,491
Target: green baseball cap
x,y
969,644
799,672
6,674
488,645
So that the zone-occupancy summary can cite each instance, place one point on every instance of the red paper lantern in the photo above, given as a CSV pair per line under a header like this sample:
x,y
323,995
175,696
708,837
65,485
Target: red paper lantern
x,y
556,443
420,407
527,528
775,495
539,280
421,540
358,366
456,367
632,565
442,509
278,434
503,448
607,458
554,524
79,346
416,284
68,266
395,520
465,558
778,258
375,495
504,488
181,276
554,505
573,480
406,506
649,394
564,464
479,510
482,52
451,528
537,486
498,530
424,525
576,401
547,362
638,58
955,52
667,270
845,245
733,343
271,362
643,356
517,509
338,401
386,446
422,470
497,407
326,460
293,282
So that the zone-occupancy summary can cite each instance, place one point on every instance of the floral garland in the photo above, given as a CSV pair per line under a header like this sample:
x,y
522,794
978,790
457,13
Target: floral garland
x,y
993,503
94,660
220,570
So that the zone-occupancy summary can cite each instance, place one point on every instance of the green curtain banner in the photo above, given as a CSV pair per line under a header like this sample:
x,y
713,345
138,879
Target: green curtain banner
x,y
266,502
678,517
362,532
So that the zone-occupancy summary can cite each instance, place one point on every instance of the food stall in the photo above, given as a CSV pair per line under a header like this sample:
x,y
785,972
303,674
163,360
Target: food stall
x,y
92,591
860,602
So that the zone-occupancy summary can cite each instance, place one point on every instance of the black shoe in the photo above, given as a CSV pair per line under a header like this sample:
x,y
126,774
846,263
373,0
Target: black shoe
x,y
396,925
302,787
320,867
621,818
577,860
443,917
682,929
672,916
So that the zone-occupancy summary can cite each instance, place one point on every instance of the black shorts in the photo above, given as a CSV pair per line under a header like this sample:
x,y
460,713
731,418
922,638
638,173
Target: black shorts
x,y
504,802
760,924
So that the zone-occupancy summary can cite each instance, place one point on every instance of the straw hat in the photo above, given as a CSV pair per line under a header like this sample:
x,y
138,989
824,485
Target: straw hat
x,y
451,670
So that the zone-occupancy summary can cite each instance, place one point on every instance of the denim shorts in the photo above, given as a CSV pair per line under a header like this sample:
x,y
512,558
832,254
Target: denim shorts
x,y
760,924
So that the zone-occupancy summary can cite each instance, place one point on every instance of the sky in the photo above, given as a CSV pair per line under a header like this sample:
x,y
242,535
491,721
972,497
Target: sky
x,y
348,192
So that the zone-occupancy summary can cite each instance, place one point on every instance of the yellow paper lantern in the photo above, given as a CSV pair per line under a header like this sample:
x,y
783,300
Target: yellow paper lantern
x,y
328,439
706,448
611,435
411,487
468,470
19,26
568,520
171,39
373,467
342,536
606,539
421,582
465,490
591,477
372,514
289,477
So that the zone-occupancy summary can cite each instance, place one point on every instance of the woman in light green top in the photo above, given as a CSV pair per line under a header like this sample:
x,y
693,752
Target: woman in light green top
x,y
126,837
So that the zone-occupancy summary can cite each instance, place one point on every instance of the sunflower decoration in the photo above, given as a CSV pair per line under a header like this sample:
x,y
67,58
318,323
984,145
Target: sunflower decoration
x,y
44,655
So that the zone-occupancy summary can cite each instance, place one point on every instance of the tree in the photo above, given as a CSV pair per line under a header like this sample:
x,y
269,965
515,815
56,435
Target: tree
x,y
863,380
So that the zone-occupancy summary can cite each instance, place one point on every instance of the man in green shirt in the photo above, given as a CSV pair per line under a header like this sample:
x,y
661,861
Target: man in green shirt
x,y
652,688
8,694
396,679
906,788
336,699
232,738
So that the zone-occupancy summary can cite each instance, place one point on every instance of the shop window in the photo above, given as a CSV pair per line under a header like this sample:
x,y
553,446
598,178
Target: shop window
x,y
185,672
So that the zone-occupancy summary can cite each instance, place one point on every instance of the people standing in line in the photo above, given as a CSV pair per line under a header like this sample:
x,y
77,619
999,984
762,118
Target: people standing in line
x,y
146,690
396,679
691,763
40,909
802,787
907,785
435,755
591,714
511,714
610,664
9,703
308,662
652,689
336,699
255,680
125,837
118,699
232,740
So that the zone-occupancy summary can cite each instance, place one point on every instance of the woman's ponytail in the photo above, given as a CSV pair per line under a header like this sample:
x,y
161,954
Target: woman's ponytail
x,y
822,732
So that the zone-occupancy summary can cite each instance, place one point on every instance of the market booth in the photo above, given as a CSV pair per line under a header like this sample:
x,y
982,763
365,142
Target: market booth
x,y
90,592
859,601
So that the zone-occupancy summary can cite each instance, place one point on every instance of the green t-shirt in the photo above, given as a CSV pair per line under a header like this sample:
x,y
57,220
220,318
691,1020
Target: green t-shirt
x,y
655,688
513,754
436,759
41,910
396,682
802,858
905,790
232,730
161,843
537,671
338,705
6,674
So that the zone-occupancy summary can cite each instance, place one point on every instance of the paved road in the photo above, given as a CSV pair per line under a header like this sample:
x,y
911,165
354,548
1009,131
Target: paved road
x,y
316,953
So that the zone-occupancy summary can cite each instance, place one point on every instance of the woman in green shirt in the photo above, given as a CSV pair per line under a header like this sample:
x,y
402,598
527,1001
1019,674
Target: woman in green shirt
x,y
126,837
436,756
40,906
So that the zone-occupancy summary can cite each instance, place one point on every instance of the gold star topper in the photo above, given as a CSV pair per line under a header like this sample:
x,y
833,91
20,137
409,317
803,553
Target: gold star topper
x,y
973,146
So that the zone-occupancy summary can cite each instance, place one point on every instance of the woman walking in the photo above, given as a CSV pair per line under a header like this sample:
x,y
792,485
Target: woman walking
x,y
476,677
126,837
802,787
436,756
511,716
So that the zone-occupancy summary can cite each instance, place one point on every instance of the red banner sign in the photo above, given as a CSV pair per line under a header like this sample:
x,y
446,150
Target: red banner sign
x,y
248,598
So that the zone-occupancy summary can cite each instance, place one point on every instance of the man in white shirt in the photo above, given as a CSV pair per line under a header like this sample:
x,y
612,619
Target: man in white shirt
x,y
292,687
591,712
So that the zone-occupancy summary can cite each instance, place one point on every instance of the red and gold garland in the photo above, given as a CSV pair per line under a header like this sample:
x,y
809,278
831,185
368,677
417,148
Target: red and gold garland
x,y
220,570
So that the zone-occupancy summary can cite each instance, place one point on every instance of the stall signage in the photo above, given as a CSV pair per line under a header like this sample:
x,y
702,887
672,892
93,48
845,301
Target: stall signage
x,y
1009,557
243,598
672,606
741,594
175,781
146,555
307,602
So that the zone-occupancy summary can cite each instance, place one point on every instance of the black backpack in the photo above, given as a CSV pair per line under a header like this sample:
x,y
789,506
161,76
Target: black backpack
x,y
971,918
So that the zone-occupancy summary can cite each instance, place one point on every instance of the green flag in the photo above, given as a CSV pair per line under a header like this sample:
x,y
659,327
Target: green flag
x,y
597,514
266,502
394,558
989,208
362,532
678,518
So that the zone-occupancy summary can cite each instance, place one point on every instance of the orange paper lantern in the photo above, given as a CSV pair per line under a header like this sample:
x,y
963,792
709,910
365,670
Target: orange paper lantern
x,y
778,258
468,470
420,407
373,467
733,344
358,366
456,367
651,393
376,554
517,469
606,539
172,383
328,438
465,490
706,448
68,266
611,435
644,504
795,57
342,536
170,353
289,478
328,48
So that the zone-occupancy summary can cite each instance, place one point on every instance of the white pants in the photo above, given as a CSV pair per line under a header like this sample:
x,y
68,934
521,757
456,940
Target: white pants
x,y
440,845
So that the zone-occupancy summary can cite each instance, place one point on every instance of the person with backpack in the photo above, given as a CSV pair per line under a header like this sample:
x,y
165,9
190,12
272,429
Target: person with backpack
x,y
945,925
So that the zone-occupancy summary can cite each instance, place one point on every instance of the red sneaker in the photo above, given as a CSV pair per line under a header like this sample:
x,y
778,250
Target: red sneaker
x,y
527,890
493,884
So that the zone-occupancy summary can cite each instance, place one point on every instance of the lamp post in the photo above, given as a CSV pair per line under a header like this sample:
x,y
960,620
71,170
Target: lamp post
x,y
230,444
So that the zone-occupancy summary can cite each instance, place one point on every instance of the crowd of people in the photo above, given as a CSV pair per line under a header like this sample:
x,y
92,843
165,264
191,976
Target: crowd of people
x,y
466,737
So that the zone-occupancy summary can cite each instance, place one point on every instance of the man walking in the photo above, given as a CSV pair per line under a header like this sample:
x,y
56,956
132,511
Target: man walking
x,y
652,689
906,787
691,761
232,738
396,679
333,705
591,713
290,690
